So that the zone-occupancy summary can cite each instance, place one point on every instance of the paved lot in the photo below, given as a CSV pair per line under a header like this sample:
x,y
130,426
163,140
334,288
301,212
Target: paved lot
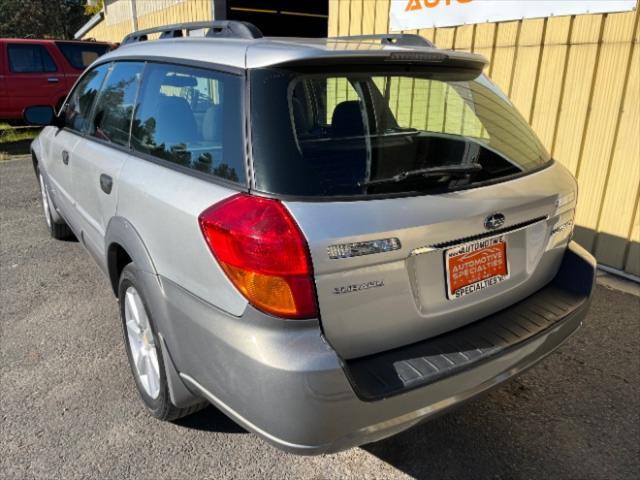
x,y
69,409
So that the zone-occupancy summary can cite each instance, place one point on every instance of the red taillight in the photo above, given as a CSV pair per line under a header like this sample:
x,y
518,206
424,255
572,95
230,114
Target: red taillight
x,y
264,254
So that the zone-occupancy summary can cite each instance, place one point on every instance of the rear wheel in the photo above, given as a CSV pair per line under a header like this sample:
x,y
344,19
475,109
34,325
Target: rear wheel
x,y
57,229
144,350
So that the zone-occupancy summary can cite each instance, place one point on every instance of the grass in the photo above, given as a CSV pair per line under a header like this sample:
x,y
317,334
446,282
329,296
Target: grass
x,y
15,134
10,136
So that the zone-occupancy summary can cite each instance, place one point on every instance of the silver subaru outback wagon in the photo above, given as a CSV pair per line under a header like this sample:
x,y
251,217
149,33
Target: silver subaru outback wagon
x,y
329,240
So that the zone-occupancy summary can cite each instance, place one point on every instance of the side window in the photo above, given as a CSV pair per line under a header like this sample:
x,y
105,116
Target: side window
x,y
114,107
30,59
78,106
191,117
81,55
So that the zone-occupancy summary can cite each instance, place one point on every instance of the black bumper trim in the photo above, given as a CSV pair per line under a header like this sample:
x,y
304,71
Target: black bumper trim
x,y
397,371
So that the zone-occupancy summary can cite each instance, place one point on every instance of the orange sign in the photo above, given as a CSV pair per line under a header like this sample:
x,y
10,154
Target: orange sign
x,y
476,266
417,14
418,4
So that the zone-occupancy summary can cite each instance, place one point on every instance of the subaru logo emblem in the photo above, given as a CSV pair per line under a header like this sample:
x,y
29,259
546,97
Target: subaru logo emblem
x,y
495,221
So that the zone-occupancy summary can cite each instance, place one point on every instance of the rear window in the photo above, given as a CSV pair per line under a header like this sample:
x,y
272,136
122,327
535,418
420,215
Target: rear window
x,y
354,134
81,55
191,117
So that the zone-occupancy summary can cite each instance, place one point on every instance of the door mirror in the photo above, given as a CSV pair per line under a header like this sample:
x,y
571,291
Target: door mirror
x,y
41,115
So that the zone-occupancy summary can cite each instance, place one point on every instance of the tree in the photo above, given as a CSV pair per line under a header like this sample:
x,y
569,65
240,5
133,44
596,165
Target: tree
x,y
93,9
41,18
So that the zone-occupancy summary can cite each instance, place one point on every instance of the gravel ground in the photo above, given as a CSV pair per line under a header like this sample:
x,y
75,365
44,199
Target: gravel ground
x,y
69,408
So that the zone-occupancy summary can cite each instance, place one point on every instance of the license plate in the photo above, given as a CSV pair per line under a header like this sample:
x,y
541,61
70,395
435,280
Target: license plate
x,y
475,266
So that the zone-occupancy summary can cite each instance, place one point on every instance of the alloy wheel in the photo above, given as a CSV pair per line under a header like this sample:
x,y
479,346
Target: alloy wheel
x,y
144,352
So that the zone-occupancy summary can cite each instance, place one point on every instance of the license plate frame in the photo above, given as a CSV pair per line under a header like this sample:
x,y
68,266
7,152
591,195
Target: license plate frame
x,y
486,261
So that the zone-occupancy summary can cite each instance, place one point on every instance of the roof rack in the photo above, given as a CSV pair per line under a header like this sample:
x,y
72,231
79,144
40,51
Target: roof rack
x,y
217,28
396,39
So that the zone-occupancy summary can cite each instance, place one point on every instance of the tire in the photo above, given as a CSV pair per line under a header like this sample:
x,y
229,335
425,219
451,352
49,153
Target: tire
x,y
57,229
144,350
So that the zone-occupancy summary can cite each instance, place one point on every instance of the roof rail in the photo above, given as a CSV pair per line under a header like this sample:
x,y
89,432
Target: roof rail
x,y
396,39
217,28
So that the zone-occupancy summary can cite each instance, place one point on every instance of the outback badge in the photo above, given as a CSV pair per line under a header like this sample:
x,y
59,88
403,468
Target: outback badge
x,y
358,287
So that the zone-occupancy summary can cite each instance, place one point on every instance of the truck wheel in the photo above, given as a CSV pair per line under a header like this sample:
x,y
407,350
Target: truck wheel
x,y
57,229
144,350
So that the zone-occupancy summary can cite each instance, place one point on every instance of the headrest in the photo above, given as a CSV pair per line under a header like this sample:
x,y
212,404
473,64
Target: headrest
x,y
347,119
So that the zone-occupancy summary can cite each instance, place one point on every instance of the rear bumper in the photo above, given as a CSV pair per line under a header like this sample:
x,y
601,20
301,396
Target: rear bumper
x,y
282,381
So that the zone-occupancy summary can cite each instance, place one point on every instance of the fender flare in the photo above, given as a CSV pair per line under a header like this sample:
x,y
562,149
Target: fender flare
x,y
121,232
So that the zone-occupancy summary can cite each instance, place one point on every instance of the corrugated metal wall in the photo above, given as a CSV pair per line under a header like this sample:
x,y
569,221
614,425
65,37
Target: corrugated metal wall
x,y
576,79
151,13
185,11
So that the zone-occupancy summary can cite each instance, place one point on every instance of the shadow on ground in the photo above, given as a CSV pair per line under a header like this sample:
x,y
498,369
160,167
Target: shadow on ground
x,y
575,415
210,419
20,147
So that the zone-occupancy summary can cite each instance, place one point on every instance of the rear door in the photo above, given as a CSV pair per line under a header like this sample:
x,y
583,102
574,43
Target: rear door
x,y
99,157
33,78
401,252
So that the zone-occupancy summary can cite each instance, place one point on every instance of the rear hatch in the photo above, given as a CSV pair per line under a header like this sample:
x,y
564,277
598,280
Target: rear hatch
x,y
426,200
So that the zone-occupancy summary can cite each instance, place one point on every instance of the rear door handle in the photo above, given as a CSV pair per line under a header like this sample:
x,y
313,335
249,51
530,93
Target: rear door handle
x,y
106,183
53,79
65,157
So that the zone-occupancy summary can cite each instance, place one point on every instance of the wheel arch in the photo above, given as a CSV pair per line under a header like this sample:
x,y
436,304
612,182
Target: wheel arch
x,y
124,245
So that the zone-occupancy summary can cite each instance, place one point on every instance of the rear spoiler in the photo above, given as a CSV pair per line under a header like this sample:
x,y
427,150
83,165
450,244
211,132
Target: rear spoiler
x,y
385,49
468,64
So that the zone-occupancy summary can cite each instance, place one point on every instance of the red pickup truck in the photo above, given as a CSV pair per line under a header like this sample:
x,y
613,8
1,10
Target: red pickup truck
x,y
41,72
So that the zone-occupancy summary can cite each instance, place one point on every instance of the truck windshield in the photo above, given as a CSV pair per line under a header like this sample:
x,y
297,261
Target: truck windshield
x,y
367,134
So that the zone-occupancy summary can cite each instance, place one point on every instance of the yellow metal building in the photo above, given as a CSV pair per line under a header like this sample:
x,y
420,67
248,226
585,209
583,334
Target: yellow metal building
x,y
576,79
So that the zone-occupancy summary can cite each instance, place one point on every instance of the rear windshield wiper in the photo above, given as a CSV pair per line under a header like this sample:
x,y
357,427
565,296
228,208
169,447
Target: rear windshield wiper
x,y
445,170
